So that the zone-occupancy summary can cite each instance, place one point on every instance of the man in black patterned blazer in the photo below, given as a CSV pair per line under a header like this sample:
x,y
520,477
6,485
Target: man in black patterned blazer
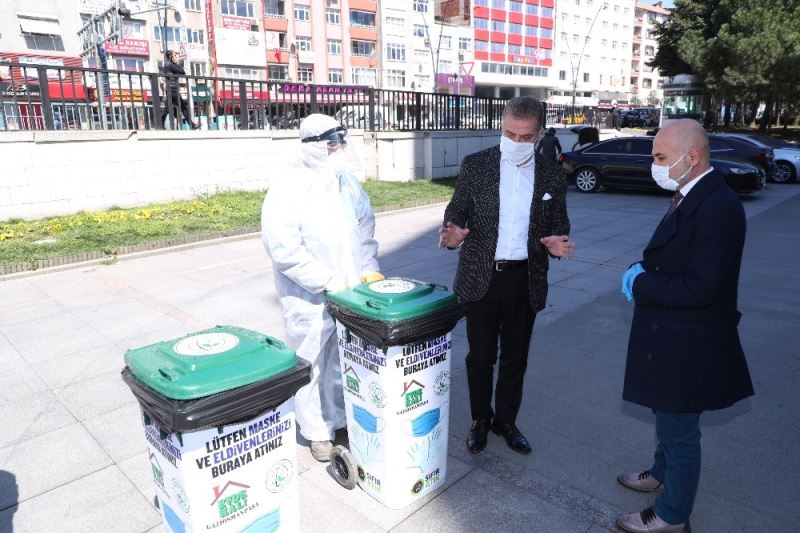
x,y
509,211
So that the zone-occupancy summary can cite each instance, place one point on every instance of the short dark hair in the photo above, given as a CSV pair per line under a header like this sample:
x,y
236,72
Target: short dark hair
x,y
525,107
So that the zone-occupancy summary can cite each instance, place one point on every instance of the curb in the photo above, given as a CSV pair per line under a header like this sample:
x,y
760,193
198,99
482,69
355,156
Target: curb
x,y
173,244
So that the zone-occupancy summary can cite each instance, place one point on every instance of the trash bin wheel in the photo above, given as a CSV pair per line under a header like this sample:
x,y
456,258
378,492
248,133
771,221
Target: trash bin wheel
x,y
343,467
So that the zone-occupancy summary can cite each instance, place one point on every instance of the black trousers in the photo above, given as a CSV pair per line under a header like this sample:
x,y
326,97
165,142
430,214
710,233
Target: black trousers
x,y
504,313
176,101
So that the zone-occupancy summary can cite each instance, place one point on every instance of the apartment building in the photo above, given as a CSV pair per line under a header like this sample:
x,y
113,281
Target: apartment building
x,y
331,42
421,51
513,47
594,42
646,81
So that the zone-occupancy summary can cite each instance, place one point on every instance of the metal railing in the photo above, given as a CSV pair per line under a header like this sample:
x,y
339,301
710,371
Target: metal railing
x,y
37,97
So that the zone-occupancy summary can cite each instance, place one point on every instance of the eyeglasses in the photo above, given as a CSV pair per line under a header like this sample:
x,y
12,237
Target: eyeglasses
x,y
334,137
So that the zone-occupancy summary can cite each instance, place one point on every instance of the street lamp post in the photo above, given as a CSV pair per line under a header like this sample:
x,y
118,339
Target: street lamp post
x,y
577,68
429,44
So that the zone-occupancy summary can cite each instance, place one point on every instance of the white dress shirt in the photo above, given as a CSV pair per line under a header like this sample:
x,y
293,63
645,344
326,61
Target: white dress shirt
x,y
516,195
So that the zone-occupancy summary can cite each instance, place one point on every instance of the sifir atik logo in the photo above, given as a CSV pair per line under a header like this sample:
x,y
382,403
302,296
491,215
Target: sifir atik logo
x,y
231,499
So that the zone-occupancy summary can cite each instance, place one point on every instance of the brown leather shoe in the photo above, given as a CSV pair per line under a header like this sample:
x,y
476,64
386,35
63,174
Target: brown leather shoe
x,y
646,521
641,482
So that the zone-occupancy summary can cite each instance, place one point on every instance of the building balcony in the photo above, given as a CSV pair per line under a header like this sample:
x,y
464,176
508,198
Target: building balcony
x,y
637,22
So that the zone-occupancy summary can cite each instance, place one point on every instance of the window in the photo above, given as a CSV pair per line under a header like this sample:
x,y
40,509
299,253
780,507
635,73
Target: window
x,y
616,27
531,31
362,48
282,44
498,48
335,47
301,12
647,83
446,66
365,76
614,44
481,46
129,64
277,72
649,50
395,52
173,35
44,42
362,19
624,44
332,16
464,44
303,44
241,73
562,75
586,77
605,25
133,29
616,8
563,36
305,73
419,30
575,38
446,43
604,42
335,75
514,6
548,13
197,69
395,24
481,24
514,49
482,3
239,8
193,5
498,25
396,78
274,8
194,36
499,4
422,80
531,9
515,28
421,6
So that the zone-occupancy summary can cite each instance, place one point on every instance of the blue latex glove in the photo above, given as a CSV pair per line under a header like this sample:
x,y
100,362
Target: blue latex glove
x,y
627,280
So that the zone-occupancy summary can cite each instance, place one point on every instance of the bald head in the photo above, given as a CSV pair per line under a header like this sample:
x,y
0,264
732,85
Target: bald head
x,y
684,144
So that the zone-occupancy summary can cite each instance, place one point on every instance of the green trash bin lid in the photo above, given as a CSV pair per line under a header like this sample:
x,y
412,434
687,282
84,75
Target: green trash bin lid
x,y
394,299
208,362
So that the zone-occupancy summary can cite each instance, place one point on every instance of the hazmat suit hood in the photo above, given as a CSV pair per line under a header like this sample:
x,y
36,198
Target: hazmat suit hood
x,y
315,155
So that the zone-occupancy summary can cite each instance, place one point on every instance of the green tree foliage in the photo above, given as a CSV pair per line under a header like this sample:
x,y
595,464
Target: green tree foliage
x,y
745,50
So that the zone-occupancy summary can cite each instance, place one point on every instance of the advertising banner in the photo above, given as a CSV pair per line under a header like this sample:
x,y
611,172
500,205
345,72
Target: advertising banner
x,y
236,47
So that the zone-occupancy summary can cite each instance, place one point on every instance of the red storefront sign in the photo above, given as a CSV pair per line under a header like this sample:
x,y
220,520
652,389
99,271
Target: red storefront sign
x,y
130,47
249,94
236,23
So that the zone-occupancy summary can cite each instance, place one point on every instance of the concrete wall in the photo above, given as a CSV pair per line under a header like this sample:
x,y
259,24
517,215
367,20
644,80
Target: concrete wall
x,y
56,173
63,172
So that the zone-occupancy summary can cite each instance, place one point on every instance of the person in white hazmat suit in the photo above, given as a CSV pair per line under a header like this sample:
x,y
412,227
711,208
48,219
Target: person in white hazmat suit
x,y
318,229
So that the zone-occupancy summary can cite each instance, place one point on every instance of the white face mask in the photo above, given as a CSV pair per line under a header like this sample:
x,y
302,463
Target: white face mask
x,y
338,162
517,153
661,175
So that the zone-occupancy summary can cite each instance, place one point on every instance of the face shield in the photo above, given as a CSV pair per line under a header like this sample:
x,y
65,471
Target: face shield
x,y
324,145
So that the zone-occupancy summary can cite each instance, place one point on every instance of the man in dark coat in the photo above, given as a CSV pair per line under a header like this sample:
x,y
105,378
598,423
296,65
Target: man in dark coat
x,y
173,70
509,210
549,146
684,354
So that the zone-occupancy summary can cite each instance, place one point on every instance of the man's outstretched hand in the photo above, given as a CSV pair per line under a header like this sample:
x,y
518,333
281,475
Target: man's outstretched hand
x,y
558,245
451,236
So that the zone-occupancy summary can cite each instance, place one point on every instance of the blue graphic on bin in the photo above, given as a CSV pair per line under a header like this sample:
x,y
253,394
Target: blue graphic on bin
x,y
367,420
173,520
269,523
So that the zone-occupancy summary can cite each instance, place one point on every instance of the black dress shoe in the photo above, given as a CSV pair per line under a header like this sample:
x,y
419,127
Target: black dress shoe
x,y
515,440
476,439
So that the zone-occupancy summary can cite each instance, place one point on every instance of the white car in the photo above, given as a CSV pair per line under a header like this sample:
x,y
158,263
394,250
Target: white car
x,y
787,155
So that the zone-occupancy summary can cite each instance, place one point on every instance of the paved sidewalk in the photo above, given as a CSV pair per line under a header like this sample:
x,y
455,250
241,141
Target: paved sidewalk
x,y
72,452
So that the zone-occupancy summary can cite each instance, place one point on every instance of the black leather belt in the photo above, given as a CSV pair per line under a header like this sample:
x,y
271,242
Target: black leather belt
x,y
500,266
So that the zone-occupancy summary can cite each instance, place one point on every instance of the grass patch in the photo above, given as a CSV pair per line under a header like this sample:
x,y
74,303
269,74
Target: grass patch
x,y
25,242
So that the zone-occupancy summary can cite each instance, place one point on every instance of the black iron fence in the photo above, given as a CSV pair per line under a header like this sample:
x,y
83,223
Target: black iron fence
x,y
37,97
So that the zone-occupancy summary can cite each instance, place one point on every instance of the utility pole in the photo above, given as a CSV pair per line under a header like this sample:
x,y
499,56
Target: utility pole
x,y
577,68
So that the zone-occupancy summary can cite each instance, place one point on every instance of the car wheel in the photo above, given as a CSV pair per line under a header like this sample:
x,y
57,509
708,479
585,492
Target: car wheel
x,y
587,180
784,172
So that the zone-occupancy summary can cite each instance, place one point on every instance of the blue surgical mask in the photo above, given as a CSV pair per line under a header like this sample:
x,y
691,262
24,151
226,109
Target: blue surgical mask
x,y
424,423
365,419
269,523
172,519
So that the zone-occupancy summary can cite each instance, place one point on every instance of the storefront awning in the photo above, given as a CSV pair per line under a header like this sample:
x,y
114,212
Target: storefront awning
x,y
38,25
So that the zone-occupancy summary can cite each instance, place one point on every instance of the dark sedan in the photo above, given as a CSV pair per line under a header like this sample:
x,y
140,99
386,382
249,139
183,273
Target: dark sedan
x,y
625,162
727,146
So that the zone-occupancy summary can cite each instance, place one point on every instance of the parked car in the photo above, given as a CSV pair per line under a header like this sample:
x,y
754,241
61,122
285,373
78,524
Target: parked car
x,y
787,155
726,145
624,162
639,117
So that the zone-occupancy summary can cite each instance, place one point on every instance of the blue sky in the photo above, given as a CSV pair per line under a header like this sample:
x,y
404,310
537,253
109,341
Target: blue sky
x,y
669,4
